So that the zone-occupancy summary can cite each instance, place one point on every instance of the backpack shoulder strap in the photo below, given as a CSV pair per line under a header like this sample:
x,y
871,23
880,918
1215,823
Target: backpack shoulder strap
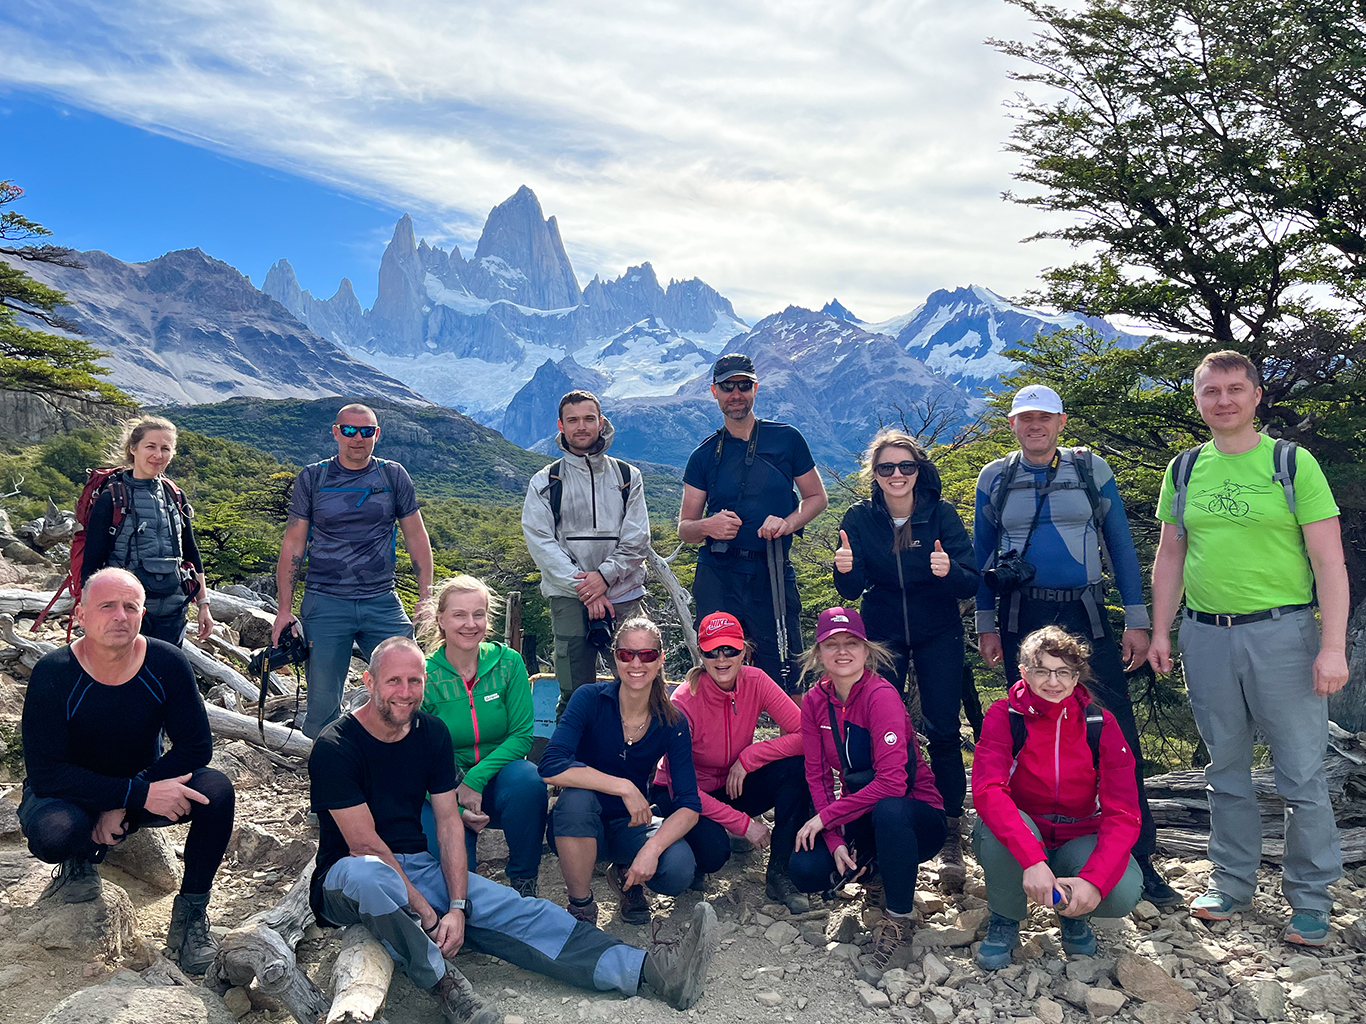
x,y
1283,459
998,502
1095,722
1182,468
624,471
1082,460
556,491
122,498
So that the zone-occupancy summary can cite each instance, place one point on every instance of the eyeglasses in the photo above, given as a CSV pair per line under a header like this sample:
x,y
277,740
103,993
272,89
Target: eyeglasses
x,y
728,386
647,655
348,430
1038,674
907,468
721,652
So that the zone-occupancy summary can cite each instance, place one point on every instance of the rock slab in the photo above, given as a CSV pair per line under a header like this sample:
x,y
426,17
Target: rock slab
x,y
121,1003
104,927
1145,980
148,855
1259,999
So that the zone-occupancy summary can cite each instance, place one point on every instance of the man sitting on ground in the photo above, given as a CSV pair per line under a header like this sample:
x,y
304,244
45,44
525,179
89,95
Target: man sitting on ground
x,y
371,772
94,715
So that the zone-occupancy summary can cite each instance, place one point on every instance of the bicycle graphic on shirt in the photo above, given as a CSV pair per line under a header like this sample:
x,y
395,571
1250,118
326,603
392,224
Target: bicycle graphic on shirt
x,y
1228,501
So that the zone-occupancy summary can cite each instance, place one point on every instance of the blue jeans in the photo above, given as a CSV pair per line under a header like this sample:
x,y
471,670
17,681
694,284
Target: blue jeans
x,y
331,625
531,933
515,800
578,813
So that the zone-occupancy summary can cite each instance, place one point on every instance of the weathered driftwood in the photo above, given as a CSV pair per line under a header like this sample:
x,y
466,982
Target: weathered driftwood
x,y
215,671
360,979
1193,844
262,950
681,599
226,607
30,650
280,683
15,601
279,739
512,620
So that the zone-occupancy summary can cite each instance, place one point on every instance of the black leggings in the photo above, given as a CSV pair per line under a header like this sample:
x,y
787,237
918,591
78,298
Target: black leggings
x,y
780,785
59,830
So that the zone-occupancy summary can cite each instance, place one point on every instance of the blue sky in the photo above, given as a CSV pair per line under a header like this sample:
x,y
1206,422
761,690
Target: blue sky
x,y
785,151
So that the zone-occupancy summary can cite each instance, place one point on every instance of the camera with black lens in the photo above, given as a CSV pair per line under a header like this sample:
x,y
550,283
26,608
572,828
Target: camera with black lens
x,y
292,649
599,634
1009,574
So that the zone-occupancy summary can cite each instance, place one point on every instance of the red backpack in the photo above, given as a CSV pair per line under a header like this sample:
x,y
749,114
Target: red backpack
x,y
96,482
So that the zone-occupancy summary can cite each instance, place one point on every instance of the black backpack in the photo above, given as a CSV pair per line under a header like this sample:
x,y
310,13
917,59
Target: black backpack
x,y
556,491
1095,722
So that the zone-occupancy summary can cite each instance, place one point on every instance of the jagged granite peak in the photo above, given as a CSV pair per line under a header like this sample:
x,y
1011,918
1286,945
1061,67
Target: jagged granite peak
x,y
187,328
534,410
532,255
839,311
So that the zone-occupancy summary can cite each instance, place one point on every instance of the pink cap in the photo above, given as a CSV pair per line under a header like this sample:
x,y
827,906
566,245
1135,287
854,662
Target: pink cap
x,y
839,620
719,630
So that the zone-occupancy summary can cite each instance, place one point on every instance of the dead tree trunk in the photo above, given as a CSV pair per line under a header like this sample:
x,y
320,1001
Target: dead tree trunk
x,y
682,600
1347,707
512,620
360,979
278,738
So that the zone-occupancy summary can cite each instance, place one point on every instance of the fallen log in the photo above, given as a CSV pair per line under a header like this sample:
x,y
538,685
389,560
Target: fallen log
x,y
280,683
216,672
29,650
15,601
278,738
1193,844
226,607
360,979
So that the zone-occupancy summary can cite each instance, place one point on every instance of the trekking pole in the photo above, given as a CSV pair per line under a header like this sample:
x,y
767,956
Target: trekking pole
x,y
778,589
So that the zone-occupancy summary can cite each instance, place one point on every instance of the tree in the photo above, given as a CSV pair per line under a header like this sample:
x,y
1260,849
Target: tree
x,y
34,360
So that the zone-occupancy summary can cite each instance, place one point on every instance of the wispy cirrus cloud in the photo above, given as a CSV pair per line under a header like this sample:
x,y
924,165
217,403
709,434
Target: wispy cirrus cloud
x,y
784,152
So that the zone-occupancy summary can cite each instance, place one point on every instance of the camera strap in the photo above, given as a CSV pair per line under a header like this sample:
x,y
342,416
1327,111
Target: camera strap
x,y
1040,497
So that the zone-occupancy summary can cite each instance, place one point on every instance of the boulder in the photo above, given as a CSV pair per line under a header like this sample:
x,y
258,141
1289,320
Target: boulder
x,y
253,629
119,1002
9,819
1325,992
780,933
1048,1011
104,927
1259,999
936,973
1104,1002
1145,980
148,855
937,1011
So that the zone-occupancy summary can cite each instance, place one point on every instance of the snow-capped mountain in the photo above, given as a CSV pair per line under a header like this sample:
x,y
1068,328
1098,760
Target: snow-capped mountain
x,y
964,333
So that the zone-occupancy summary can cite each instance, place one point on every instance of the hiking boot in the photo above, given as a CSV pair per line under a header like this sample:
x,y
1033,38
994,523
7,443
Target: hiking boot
x,y
874,895
187,938
588,913
780,888
523,887
1307,928
1003,935
896,933
74,881
679,976
634,906
699,881
1155,888
459,1004
1215,906
1077,937
952,872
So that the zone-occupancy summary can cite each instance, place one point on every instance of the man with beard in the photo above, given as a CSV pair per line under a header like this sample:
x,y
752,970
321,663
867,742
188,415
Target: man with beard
x,y
588,532
737,498
370,773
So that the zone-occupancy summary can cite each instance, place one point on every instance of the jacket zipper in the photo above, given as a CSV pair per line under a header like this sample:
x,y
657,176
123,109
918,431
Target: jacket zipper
x,y
905,612
734,711
474,718
592,491
1057,762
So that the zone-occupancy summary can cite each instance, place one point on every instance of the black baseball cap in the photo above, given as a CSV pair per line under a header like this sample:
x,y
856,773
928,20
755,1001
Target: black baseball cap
x,y
733,365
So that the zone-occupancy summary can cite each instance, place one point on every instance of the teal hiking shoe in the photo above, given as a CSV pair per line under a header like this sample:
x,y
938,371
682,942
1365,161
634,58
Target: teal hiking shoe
x,y
1307,928
1077,937
1215,906
1003,935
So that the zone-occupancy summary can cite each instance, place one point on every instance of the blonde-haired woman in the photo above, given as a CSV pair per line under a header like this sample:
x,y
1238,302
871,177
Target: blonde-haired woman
x,y
904,551
480,690
604,753
855,725
154,539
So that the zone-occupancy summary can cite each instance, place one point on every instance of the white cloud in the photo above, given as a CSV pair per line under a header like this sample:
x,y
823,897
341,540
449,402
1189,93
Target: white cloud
x,y
783,152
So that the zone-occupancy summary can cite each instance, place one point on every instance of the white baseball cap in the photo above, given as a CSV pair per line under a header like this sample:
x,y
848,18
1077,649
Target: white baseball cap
x,y
1036,398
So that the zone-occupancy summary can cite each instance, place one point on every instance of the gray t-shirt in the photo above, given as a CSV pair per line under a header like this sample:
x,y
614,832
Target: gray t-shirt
x,y
354,515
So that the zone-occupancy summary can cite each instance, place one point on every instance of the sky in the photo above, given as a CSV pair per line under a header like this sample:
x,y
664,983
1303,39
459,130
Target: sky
x,y
784,152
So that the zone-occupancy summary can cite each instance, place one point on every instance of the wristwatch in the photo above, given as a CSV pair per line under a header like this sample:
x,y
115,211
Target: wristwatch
x,y
461,905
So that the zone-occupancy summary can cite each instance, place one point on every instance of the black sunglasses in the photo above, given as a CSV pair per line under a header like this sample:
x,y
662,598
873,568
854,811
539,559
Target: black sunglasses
x,y
647,655
721,652
907,468
348,430
730,385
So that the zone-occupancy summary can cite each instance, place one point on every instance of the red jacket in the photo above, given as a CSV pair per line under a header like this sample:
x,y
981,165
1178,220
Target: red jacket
x,y
874,718
722,727
1055,776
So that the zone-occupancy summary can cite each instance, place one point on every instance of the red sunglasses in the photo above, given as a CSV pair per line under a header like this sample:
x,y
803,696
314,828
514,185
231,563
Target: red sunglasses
x,y
645,654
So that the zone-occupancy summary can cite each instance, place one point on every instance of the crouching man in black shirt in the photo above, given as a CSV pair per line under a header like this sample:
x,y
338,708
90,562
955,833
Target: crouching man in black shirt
x,y
93,719
371,772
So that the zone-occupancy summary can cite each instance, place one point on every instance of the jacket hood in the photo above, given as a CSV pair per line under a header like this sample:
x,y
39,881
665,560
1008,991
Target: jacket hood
x,y
1022,699
604,441
928,488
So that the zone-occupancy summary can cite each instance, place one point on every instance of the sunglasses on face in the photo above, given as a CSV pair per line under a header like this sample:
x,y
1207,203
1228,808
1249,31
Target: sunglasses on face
x,y
721,652
647,655
347,430
888,468
728,386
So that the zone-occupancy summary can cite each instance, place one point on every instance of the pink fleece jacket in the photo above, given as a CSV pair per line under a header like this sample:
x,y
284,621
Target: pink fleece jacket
x,y
722,724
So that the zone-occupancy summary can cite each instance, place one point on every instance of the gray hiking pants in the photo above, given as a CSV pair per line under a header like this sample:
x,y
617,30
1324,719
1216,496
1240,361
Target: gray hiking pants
x,y
1260,676
576,661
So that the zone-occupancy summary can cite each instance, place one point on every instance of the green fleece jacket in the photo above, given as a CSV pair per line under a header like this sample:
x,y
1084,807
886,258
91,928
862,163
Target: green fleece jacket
x,y
489,716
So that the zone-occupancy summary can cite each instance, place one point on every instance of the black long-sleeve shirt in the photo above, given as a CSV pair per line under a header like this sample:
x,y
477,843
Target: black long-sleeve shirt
x,y
99,746
99,543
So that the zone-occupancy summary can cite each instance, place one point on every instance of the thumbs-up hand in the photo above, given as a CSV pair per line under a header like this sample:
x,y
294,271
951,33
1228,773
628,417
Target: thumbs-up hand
x,y
844,555
939,560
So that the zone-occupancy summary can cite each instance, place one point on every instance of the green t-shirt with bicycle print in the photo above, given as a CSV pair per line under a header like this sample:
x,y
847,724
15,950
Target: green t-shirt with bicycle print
x,y
1244,548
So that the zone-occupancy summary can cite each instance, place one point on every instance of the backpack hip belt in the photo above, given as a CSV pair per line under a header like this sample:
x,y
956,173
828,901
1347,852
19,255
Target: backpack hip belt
x,y
1092,598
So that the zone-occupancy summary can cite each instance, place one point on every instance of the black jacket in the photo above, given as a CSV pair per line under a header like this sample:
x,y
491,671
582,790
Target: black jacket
x,y
902,599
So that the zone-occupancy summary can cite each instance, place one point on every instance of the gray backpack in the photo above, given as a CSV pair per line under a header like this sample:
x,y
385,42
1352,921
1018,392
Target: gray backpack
x,y
1282,460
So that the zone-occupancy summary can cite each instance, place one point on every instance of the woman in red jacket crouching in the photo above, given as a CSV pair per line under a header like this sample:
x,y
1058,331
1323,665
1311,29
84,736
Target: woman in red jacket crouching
x,y
1053,786
855,724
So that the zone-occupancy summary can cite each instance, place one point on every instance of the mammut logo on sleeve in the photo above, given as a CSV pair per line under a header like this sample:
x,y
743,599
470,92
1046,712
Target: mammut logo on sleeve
x,y
889,738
